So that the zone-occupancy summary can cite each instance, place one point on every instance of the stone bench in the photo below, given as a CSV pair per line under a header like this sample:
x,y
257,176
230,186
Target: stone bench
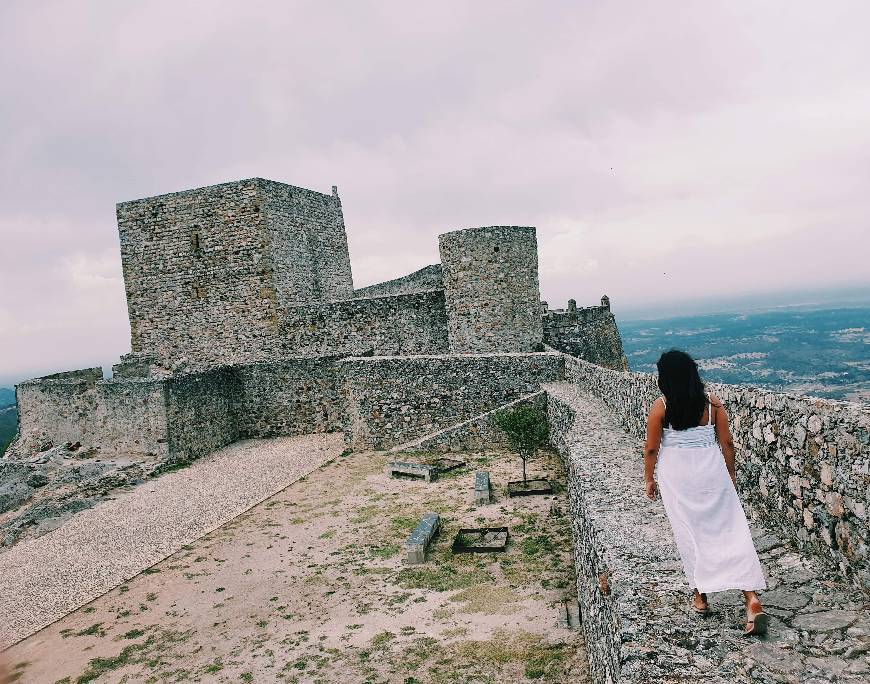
x,y
420,538
482,487
427,472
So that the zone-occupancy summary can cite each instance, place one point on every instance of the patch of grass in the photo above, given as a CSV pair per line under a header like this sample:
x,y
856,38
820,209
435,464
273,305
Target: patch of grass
x,y
381,639
246,677
539,659
441,577
134,633
93,630
216,666
384,550
488,599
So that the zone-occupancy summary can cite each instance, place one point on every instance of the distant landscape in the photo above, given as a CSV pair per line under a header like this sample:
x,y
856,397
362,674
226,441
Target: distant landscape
x,y
822,352
8,417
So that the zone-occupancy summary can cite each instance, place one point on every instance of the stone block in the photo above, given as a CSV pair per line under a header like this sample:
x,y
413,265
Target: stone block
x,y
427,472
482,488
419,540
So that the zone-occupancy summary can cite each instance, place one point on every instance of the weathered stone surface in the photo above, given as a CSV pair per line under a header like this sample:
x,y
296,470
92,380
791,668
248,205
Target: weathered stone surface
x,y
825,621
642,630
482,488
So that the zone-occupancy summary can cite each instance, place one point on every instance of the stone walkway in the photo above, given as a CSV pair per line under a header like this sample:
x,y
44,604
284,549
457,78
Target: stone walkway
x,y
820,624
43,579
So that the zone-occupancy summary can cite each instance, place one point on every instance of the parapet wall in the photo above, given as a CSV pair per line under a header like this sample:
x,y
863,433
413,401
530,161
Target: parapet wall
x,y
422,280
393,400
589,333
414,323
79,406
289,397
803,464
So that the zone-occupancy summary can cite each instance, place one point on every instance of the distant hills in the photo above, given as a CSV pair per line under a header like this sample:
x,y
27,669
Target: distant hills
x,y
8,417
820,352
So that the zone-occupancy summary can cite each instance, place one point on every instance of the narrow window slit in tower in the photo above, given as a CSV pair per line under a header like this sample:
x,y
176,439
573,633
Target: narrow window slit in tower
x,y
194,239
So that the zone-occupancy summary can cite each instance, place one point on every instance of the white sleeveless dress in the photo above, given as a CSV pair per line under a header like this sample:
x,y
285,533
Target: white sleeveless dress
x,y
706,517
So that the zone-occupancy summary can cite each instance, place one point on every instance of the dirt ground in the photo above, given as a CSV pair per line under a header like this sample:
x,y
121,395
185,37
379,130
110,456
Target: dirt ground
x,y
309,586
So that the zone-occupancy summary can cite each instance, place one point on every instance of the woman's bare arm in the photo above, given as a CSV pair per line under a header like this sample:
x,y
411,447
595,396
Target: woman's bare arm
x,y
654,424
723,435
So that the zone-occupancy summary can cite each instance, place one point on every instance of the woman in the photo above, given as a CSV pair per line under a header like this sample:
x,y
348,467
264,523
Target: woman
x,y
697,482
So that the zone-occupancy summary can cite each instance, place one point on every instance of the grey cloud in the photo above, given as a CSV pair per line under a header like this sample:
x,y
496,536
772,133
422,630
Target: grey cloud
x,y
716,142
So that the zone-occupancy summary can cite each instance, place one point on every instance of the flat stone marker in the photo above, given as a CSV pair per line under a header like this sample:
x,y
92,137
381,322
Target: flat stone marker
x,y
427,472
482,487
420,538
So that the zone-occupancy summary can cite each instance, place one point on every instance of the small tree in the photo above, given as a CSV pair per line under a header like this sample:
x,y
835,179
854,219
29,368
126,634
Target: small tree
x,y
526,430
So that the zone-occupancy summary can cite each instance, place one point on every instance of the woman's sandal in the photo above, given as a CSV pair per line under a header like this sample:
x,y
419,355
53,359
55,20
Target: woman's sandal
x,y
701,611
758,624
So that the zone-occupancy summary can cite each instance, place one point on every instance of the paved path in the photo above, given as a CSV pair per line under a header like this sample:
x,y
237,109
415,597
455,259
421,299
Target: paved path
x,y
820,626
43,579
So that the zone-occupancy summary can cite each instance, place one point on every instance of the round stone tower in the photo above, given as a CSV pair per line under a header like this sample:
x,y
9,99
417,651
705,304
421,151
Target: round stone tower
x,y
491,289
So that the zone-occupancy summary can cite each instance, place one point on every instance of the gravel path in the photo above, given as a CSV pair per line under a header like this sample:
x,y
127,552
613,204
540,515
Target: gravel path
x,y
43,579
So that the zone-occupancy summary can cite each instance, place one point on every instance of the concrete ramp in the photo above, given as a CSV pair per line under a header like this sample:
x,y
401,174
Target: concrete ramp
x,y
43,579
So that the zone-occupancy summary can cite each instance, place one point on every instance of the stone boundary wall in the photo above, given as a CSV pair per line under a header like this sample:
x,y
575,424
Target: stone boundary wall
x,y
288,397
79,406
181,417
589,333
422,280
200,416
393,400
803,463
476,434
389,325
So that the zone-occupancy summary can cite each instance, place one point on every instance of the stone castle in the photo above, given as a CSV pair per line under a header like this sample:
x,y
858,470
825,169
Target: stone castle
x,y
245,322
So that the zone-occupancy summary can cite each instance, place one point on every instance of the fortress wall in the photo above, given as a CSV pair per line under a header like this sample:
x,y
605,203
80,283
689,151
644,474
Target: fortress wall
x,y
392,325
491,289
200,414
589,333
480,433
310,260
198,274
803,464
393,400
288,397
422,280
123,416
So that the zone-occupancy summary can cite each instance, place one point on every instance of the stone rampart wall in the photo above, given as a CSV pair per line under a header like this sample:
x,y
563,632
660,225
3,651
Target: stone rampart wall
x,y
422,280
200,414
803,463
589,333
78,406
288,397
413,323
393,400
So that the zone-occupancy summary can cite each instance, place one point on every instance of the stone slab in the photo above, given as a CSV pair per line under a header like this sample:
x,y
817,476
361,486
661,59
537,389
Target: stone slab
x,y
419,540
427,472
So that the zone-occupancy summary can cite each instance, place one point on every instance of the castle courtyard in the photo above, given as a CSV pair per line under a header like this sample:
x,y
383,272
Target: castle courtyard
x,y
309,586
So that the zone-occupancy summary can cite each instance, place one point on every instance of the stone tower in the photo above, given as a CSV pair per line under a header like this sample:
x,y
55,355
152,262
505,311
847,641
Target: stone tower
x,y
206,271
491,289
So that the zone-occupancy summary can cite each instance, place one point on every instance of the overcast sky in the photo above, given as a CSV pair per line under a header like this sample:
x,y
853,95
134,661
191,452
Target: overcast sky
x,y
664,151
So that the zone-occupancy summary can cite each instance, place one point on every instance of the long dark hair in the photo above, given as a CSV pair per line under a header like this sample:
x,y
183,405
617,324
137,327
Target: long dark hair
x,y
683,389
